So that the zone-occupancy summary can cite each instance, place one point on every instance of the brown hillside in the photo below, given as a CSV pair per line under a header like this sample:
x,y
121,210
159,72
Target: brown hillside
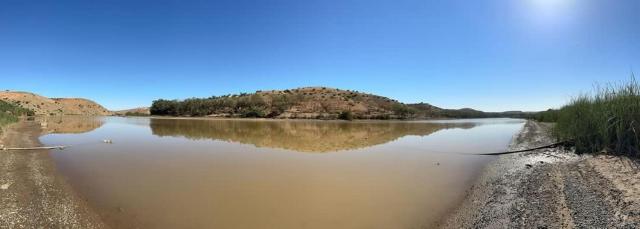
x,y
135,111
310,103
53,106
319,101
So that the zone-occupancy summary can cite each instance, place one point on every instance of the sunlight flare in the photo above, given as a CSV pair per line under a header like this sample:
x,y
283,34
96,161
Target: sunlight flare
x,y
550,8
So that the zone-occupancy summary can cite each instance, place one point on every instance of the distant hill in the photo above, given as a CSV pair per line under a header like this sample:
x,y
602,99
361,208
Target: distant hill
x,y
139,111
41,105
309,103
424,110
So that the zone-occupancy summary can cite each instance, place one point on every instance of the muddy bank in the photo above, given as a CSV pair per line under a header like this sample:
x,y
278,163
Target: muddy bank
x,y
32,194
551,188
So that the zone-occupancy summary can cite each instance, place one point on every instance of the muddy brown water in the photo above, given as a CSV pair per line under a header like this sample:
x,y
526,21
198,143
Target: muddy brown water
x,y
187,173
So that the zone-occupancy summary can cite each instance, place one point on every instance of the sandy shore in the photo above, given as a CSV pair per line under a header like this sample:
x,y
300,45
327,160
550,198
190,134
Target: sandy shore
x,y
551,188
32,194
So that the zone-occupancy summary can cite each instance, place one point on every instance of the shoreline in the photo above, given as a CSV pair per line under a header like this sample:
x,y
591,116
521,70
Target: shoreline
x,y
550,188
309,119
32,192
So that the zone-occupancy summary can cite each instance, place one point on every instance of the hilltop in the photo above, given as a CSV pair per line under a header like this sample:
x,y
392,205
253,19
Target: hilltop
x,y
310,103
138,111
307,102
41,105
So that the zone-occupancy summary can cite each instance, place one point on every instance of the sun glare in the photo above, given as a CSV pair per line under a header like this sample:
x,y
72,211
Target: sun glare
x,y
550,3
550,7
550,12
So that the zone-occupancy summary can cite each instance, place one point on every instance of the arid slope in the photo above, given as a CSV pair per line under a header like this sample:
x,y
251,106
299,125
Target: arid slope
x,y
53,106
134,111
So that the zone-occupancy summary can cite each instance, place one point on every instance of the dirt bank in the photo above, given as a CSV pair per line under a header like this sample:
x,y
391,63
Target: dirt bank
x,y
551,188
32,195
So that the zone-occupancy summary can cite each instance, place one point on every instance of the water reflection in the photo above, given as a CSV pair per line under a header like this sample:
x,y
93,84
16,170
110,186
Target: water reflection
x,y
302,136
153,176
70,124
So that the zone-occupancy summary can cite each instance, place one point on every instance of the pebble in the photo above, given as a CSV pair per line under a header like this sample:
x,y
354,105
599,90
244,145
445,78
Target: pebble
x,y
5,186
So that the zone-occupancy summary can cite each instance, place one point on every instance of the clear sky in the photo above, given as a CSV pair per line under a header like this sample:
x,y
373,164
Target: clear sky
x,y
491,55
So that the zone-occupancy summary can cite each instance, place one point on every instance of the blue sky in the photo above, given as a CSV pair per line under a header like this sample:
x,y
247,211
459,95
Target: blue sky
x,y
491,55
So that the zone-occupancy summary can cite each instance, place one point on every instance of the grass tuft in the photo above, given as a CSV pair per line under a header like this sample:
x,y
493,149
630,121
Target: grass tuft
x,y
606,120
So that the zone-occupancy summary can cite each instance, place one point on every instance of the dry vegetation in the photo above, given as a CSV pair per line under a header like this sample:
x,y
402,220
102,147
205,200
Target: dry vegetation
x,y
140,111
53,106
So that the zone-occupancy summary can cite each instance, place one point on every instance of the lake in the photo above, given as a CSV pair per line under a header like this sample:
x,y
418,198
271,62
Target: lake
x,y
215,173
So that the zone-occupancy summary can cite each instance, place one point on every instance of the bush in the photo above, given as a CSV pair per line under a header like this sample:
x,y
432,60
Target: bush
x,y
10,112
164,107
253,113
242,105
346,115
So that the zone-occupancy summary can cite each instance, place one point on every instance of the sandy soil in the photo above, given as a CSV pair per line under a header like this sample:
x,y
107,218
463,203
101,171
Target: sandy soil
x,y
32,195
551,188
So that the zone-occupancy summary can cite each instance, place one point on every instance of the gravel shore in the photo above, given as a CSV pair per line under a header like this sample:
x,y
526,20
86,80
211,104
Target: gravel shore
x,y
551,188
32,194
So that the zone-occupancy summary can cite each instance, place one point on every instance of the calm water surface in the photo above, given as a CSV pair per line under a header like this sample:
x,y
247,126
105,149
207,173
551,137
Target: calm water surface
x,y
184,173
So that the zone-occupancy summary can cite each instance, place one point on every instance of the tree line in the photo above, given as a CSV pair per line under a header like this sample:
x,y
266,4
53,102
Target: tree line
x,y
243,105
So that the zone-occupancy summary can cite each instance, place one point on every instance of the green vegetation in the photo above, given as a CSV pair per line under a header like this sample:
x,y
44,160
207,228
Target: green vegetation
x,y
550,115
10,112
608,120
346,115
242,105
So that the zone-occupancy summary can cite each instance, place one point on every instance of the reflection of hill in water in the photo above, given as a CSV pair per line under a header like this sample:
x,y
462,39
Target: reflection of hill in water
x,y
70,124
304,136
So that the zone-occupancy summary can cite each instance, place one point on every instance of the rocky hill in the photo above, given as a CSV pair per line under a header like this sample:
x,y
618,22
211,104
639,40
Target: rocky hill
x,y
53,106
308,103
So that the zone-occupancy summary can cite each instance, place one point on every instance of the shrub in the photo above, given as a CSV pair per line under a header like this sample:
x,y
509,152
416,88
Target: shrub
x,y
346,115
253,113
10,112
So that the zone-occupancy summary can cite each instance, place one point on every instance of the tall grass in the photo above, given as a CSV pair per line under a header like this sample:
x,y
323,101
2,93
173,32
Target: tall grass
x,y
606,120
